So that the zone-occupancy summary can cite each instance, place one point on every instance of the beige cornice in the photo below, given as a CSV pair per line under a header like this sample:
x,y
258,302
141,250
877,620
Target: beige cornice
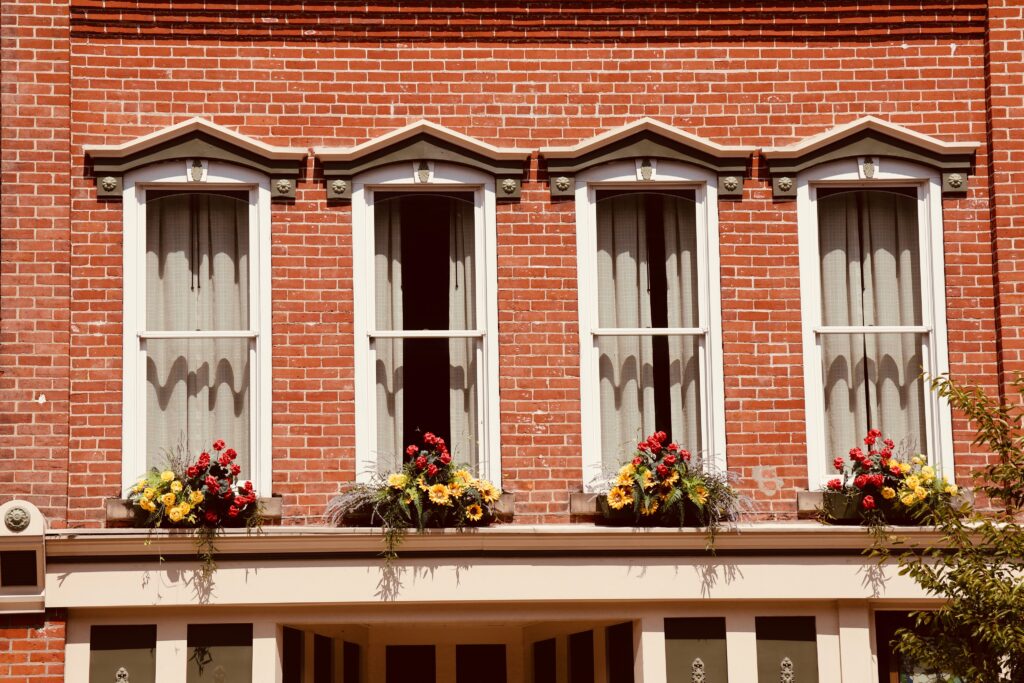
x,y
421,126
645,124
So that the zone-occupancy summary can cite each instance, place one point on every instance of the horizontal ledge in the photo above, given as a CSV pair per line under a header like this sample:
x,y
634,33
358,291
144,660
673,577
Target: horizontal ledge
x,y
197,334
426,334
873,329
647,331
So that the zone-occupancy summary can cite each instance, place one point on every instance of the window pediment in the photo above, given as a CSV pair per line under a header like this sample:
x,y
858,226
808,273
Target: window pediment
x,y
420,144
195,143
646,141
867,139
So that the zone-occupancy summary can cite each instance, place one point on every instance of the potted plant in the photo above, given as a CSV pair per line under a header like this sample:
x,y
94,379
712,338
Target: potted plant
x,y
205,496
430,491
881,487
665,485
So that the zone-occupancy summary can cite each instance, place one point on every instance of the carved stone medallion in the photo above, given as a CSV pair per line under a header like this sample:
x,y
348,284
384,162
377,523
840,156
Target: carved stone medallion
x,y
697,673
730,183
339,187
17,518
786,674
508,186
955,180
121,676
108,183
785,183
284,186
561,183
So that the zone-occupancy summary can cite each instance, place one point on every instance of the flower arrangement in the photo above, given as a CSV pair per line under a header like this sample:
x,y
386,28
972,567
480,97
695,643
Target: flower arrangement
x,y
430,490
880,485
204,495
664,484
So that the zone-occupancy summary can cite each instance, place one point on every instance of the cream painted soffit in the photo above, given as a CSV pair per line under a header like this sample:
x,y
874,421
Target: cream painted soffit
x,y
419,145
195,124
769,539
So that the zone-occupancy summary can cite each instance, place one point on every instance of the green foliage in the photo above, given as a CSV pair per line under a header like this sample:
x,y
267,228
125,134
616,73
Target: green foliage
x,y
977,564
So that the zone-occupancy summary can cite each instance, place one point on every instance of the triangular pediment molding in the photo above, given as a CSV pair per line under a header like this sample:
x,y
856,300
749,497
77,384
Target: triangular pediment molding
x,y
195,141
869,138
646,139
420,144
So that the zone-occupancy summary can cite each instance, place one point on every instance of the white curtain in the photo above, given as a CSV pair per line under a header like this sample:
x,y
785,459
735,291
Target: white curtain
x,y
197,278
870,274
392,355
627,377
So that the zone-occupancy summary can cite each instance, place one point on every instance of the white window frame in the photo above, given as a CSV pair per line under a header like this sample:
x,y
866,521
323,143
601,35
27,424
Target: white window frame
x,y
623,175
889,173
444,177
174,176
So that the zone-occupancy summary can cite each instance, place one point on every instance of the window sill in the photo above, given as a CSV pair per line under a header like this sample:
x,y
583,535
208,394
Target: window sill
x,y
118,512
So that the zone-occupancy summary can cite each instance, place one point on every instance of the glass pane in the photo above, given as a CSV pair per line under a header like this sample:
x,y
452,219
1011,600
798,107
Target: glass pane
x,y
219,653
873,381
197,391
787,649
131,648
647,261
695,646
425,262
475,663
581,657
197,262
426,385
870,265
619,652
544,662
410,664
648,384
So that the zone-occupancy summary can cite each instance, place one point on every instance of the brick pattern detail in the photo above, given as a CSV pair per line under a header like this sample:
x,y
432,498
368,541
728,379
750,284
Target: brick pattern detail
x,y
32,647
528,76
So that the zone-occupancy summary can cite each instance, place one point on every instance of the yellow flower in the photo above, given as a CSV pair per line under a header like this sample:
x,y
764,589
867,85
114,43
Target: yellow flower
x,y
141,484
904,467
174,514
927,472
167,499
147,505
888,492
672,478
185,509
921,492
699,494
624,479
908,499
488,492
649,509
397,480
149,493
917,460
913,481
619,498
628,469
438,494
463,477
422,483
952,489
176,486
648,480
195,497
455,488
167,475
474,513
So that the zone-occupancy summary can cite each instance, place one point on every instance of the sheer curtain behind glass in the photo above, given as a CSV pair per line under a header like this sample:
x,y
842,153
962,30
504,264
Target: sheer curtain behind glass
x,y
633,245
424,278
870,275
197,279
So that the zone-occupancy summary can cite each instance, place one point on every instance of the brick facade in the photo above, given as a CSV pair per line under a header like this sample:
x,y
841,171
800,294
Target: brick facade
x,y
32,647
536,75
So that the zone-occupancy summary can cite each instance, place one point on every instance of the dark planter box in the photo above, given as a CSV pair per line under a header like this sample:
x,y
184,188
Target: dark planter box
x,y
503,511
843,508
120,513
608,516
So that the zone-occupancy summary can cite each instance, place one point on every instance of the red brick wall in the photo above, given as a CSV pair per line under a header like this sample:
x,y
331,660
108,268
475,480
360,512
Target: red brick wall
x,y
32,647
530,76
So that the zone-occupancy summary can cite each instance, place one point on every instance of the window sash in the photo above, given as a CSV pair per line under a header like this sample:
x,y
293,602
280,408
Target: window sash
x,y
649,332
426,334
874,329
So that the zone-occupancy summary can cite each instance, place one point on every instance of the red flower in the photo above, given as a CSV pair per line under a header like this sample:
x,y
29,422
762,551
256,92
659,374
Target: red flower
x,y
876,433
838,464
231,453
895,469
655,447
673,446
660,436
228,494
685,455
431,469
412,449
211,483
861,481
670,460
637,460
235,469
421,462
889,444
218,445
204,460
192,471
868,503
212,517
642,446
429,438
248,486
240,501
834,485
662,471
224,459
856,454
445,458
232,511
877,480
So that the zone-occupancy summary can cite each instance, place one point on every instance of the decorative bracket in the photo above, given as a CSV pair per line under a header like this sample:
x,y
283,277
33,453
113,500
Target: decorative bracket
x,y
645,142
423,144
869,141
196,143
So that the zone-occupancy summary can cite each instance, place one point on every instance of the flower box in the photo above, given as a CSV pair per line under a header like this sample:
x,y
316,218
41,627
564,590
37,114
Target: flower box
x,y
120,513
502,511
843,508
692,516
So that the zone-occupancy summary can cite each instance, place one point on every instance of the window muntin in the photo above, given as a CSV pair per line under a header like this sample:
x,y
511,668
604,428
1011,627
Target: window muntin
x,y
701,342
429,312
872,337
649,339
